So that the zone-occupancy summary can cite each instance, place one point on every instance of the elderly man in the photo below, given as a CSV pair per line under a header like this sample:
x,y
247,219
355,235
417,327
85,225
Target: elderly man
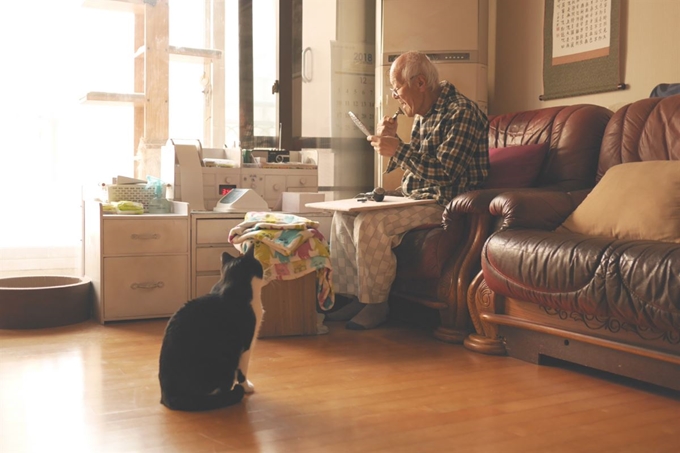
x,y
448,154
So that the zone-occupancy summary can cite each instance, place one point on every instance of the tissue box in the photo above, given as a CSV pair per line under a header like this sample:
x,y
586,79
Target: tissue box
x,y
290,307
294,202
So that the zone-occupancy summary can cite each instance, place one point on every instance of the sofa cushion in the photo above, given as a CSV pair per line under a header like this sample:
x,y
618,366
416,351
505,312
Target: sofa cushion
x,y
632,281
552,270
636,200
515,167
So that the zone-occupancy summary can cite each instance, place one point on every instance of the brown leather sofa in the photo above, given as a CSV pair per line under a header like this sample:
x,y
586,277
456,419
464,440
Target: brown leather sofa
x,y
607,303
435,265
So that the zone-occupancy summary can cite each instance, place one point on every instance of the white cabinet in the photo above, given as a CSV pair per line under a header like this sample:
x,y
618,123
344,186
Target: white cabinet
x,y
290,305
148,266
139,264
270,183
210,237
269,180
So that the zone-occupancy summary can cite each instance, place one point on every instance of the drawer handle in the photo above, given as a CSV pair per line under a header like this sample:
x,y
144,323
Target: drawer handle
x,y
147,285
146,236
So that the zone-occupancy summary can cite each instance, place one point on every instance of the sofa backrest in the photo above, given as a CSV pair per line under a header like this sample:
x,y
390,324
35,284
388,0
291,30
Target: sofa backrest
x,y
573,133
648,129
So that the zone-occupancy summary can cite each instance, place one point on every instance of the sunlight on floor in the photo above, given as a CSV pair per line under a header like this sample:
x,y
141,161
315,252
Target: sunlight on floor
x,y
45,400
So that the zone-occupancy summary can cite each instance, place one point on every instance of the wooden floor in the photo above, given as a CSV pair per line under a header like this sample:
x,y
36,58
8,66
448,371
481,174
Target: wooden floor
x,y
89,388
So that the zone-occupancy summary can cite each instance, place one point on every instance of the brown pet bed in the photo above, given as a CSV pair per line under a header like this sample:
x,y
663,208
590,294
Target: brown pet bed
x,y
44,301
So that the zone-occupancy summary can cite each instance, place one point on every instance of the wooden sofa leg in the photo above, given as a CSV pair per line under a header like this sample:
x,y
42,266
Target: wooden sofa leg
x,y
481,299
450,334
454,324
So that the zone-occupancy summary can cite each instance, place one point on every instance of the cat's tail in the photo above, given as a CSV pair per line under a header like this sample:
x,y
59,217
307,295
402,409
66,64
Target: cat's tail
x,y
203,402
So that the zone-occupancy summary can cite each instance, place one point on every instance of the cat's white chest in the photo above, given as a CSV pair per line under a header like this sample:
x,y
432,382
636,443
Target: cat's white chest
x,y
256,303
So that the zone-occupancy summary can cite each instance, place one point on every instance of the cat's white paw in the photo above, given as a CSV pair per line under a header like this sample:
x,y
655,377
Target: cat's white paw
x,y
248,386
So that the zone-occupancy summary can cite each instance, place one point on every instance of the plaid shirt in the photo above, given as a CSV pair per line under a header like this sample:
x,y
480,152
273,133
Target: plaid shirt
x,y
449,149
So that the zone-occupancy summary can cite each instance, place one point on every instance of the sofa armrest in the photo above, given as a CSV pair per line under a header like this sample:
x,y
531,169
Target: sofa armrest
x,y
478,201
474,202
536,209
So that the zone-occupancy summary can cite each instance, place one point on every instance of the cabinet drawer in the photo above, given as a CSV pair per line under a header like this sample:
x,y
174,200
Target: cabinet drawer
x,y
215,231
274,187
302,181
209,258
124,237
138,287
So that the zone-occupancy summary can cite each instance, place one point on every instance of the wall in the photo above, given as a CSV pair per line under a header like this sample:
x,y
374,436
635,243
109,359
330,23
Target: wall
x,y
650,44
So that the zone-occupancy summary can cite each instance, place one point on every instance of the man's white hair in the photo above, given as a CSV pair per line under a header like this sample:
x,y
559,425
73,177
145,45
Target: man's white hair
x,y
413,63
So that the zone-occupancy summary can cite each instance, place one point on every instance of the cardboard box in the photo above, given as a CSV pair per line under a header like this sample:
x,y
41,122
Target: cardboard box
x,y
294,202
290,307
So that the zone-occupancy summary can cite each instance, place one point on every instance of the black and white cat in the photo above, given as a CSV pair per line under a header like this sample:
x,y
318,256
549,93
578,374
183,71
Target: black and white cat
x,y
207,343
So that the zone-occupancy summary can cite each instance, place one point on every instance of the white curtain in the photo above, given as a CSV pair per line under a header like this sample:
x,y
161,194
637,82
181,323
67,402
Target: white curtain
x,y
51,145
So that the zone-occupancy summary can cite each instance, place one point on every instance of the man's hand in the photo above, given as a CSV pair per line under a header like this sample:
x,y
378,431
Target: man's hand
x,y
387,127
385,146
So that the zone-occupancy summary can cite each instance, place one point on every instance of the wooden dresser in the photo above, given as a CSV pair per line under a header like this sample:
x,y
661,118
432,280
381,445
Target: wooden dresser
x,y
139,264
210,237
290,305
147,266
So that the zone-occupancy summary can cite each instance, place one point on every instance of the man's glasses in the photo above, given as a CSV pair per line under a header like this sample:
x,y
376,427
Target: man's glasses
x,y
395,91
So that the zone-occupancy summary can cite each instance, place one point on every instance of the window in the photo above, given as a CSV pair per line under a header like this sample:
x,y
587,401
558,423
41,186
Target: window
x,y
54,146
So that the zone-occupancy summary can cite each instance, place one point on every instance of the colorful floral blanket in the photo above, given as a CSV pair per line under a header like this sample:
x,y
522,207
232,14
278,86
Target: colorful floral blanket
x,y
288,246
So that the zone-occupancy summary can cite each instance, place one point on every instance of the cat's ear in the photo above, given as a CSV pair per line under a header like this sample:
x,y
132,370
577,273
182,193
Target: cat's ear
x,y
226,258
250,251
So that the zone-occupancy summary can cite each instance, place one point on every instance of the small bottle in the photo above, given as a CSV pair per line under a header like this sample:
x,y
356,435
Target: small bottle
x,y
158,204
